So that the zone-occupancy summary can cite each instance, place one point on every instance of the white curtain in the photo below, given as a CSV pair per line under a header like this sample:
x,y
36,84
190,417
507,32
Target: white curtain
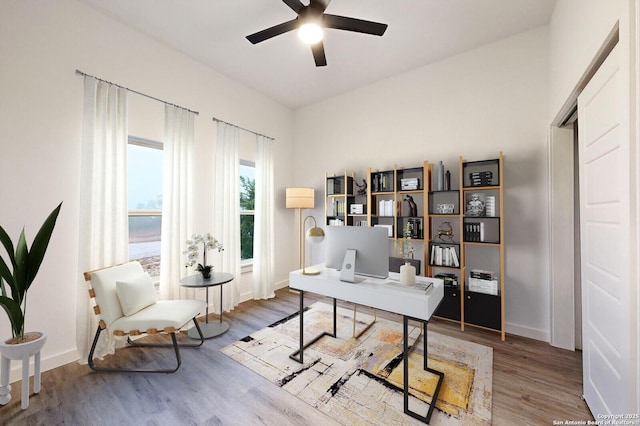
x,y
104,228
177,200
226,209
263,236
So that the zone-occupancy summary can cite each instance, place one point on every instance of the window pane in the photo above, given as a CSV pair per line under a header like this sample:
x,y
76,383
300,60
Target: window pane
x,y
144,178
247,187
144,242
246,237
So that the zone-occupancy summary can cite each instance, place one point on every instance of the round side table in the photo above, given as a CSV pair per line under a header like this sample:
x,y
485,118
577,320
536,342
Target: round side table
x,y
209,329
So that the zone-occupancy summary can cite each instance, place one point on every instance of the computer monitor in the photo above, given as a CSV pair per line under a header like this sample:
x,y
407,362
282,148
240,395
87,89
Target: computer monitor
x,y
370,245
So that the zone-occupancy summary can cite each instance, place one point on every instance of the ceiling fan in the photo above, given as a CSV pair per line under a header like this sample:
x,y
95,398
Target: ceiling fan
x,y
310,23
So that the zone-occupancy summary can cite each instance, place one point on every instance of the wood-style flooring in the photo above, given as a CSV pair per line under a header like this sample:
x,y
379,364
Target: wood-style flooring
x,y
533,383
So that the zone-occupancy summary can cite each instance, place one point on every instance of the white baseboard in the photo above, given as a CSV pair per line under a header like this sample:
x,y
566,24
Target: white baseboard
x,y
531,333
49,363
281,284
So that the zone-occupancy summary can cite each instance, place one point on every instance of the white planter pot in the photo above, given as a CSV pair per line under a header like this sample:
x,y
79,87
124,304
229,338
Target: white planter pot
x,y
21,351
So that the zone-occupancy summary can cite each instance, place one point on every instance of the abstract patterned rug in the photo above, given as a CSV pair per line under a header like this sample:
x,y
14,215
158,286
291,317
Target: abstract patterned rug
x,y
359,381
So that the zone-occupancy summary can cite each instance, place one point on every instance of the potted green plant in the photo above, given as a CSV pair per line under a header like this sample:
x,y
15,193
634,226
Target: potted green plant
x,y
15,282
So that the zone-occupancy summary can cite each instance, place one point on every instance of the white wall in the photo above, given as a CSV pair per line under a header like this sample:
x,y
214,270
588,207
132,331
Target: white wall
x,y
577,32
476,104
42,43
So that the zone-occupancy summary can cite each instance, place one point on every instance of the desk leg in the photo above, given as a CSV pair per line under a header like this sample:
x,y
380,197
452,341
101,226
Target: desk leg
x,y
299,354
405,357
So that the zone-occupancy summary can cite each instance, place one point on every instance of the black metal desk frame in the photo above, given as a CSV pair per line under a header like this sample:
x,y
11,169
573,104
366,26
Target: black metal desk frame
x,y
299,357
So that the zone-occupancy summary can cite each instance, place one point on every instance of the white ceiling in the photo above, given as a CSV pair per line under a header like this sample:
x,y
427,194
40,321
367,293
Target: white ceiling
x,y
420,32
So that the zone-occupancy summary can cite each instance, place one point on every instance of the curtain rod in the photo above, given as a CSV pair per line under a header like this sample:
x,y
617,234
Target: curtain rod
x,y
217,120
78,72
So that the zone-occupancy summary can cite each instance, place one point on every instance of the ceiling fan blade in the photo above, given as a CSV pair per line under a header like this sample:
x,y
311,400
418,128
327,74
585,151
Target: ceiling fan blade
x,y
273,31
296,5
319,4
318,54
353,24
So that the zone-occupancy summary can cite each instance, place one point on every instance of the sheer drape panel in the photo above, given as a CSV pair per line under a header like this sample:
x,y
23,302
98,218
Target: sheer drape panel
x,y
263,244
226,219
177,199
104,229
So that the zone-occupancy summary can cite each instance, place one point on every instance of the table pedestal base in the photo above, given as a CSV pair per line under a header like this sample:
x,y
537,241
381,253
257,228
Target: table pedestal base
x,y
209,329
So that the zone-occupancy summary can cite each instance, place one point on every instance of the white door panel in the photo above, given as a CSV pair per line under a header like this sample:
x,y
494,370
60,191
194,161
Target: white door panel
x,y
605,242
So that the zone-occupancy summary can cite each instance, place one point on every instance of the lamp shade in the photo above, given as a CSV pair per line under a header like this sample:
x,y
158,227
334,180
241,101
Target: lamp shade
x,y
300,198
315,235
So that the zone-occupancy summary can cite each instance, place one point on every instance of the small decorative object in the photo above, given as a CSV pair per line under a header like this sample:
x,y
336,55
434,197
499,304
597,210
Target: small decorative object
x,y
445,231
413,208
475,206
362,189
407,274
445,208
193,244
440,177
14,285
447,180
407,246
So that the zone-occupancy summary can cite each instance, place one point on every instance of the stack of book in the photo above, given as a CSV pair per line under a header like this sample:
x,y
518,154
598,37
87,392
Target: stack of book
x,y
408,184
481,178
482,281
450,280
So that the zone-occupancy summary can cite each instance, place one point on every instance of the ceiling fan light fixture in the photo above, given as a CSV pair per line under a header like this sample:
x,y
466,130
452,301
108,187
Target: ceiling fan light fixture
x,y
310,33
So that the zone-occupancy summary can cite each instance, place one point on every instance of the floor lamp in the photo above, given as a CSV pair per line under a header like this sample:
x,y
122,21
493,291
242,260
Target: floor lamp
x,y
300,198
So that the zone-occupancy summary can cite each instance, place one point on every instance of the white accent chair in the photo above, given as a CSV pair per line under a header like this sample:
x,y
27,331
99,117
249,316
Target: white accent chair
x,y
125,302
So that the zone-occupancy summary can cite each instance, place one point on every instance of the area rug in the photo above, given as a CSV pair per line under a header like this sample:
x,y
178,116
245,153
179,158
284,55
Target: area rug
x,y
359,381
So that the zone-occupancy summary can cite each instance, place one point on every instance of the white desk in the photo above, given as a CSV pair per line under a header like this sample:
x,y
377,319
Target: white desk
x,y
380,294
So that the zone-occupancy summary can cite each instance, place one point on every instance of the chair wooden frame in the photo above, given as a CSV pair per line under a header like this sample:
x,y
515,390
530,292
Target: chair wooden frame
x,y
168,330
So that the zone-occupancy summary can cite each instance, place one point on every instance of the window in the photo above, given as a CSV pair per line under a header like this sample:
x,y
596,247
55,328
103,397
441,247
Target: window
x,y
247,205
144,186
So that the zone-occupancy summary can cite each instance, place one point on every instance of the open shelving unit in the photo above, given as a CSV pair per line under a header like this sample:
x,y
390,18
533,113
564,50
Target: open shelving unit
x,y
458,234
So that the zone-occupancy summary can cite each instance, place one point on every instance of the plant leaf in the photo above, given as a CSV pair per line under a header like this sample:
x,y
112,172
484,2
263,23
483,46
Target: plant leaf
x,y
20,270
40,244
14,313
5,274
8,245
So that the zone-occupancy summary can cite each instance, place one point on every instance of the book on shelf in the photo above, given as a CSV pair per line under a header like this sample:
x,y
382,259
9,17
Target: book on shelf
x,y
481,178
407,184
333,186
386,208
450,280
474,232
444,256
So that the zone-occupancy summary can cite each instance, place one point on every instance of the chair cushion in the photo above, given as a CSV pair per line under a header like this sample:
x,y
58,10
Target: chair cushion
x,y
136,293
160,315
103,283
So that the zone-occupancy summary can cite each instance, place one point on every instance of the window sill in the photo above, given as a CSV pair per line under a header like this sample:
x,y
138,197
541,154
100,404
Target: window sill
x,y
246,267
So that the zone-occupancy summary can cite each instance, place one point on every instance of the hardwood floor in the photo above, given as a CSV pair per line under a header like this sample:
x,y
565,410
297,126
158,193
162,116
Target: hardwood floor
x,y
533,384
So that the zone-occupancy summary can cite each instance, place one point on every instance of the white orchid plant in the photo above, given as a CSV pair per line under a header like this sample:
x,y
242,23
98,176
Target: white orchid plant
x,y
208,242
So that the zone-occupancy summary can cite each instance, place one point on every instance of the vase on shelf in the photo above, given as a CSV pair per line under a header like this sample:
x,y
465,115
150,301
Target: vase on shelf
x,y
440,176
